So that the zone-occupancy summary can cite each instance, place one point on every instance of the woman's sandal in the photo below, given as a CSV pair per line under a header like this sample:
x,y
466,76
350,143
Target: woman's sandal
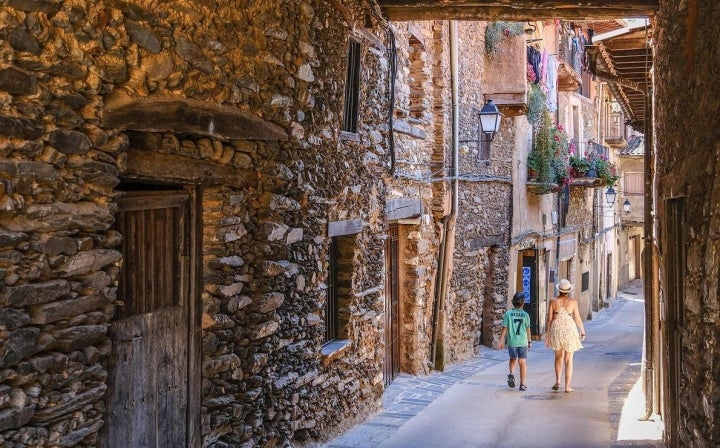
x,y
556,386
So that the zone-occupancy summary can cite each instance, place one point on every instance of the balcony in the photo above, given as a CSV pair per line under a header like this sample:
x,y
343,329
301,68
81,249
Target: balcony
x,y
570,61
590,166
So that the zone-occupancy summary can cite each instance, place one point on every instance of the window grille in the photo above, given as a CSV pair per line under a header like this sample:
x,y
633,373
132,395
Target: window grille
x,y
340,286
352,88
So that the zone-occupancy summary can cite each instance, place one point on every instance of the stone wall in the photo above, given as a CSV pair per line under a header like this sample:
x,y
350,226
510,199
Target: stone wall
x,y
422,127
269,191
687,136
479,282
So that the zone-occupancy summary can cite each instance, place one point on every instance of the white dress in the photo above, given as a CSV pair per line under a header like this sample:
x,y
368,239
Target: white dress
x,y
563,332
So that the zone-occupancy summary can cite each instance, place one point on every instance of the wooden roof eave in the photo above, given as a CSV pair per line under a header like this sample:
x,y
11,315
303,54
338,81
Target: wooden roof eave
x,y
518,10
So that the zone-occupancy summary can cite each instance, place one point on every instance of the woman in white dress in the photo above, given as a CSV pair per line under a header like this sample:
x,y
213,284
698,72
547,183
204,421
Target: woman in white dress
x,y
562,332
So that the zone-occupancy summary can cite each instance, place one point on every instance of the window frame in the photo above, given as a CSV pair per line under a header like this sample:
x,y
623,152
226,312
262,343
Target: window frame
x,y
351,106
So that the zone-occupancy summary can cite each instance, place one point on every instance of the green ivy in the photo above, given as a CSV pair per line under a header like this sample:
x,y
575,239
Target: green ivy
x,y
536,103
497,31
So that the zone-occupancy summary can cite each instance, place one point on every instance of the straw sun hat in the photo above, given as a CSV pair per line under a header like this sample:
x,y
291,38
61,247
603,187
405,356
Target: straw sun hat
x,y
565,286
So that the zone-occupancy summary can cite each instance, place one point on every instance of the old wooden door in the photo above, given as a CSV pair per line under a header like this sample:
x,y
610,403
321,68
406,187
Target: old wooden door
x,y
675,268
392,304
148,366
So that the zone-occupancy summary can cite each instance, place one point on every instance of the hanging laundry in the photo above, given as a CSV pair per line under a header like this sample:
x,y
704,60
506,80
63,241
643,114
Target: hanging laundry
x,y
534,58
551,83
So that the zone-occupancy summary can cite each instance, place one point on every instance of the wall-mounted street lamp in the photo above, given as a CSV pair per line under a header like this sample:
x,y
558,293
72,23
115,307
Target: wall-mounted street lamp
x,y
610,196
489,120
626,206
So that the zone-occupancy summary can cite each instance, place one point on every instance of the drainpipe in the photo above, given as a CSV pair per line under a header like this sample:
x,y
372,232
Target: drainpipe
x,y
447,245
650,271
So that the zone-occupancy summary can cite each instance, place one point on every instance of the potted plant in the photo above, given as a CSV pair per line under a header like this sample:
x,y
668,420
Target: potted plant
x,y
543,149
533,161
605,170
579,164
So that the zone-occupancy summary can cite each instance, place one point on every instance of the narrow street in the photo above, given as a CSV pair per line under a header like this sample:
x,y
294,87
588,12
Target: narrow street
x,y
470,404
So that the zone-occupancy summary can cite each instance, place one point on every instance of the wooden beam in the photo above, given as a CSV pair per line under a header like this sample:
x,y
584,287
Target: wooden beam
x,y
604,76
183,116
627,44
179,169
518,10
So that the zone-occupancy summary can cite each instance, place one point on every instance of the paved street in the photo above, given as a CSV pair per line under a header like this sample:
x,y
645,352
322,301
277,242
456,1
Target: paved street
x,y
470,404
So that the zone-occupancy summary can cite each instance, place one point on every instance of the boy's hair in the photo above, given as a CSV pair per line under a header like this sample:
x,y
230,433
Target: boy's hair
x,y
518,299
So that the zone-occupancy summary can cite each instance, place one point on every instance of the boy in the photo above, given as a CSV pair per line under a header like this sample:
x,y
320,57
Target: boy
x,y
518,338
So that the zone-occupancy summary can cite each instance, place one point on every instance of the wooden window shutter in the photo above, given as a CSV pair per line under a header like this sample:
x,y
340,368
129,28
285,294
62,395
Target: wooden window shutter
x,y
154,229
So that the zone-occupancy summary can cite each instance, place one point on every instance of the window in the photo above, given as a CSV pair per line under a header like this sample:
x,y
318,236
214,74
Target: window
x,y
337,307
352,88
585,281
155,239
633,183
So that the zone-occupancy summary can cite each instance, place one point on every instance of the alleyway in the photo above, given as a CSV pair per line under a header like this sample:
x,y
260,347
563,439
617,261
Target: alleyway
x,y
470,405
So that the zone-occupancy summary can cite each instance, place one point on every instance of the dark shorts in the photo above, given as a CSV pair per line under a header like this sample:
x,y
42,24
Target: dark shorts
x,y
517,352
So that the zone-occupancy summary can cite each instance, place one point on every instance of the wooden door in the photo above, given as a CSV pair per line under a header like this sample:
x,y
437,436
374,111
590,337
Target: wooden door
x,y
675,267
148,366
392,306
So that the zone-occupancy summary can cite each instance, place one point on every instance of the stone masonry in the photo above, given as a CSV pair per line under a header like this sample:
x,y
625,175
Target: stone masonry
x,y
97,93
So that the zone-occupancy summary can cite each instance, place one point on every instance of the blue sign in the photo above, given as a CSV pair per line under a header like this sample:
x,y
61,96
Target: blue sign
x,y
526,283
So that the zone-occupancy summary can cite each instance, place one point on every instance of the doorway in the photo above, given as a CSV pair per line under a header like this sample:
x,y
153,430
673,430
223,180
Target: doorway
x,y
527,283
633,252
675,263
391,366
149,372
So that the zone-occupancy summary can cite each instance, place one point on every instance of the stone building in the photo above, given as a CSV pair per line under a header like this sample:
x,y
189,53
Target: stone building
x,y
202,199
452,238
631,203
680,363
188,194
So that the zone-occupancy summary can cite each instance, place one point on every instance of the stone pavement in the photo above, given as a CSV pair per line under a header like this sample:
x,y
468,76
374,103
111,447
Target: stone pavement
x,y
469,404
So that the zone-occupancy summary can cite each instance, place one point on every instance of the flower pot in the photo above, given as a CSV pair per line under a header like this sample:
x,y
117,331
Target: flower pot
x,y
590,173
532,174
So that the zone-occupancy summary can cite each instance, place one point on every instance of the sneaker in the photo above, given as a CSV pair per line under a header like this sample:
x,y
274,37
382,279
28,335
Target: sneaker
x,y
523,387
511,380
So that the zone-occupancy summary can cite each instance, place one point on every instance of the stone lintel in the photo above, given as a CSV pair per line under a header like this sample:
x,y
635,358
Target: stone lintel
x,y
349,227
487,241
402,208
406,128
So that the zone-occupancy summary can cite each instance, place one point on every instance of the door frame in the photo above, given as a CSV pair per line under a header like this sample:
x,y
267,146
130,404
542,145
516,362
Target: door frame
x,y
194,315
391,364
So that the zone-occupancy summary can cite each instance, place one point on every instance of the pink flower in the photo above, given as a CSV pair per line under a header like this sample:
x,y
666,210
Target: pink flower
x,y
531,73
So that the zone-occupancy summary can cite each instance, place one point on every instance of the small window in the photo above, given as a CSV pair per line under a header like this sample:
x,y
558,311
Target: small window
x,y
337,307
633,183
352,88
585,281
153,225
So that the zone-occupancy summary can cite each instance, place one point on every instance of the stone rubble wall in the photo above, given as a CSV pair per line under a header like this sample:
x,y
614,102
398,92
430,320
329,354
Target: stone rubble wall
x,y
479,281
264,243
420,104
686,140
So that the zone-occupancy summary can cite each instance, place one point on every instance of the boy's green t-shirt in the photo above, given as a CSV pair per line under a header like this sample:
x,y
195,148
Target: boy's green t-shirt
x,y
517,322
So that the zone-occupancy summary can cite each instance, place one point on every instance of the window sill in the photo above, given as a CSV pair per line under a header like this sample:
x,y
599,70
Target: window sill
x,y
334,350
349,136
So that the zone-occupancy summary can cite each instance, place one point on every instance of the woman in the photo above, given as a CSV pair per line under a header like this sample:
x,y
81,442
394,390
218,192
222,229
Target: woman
x,y
562,333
